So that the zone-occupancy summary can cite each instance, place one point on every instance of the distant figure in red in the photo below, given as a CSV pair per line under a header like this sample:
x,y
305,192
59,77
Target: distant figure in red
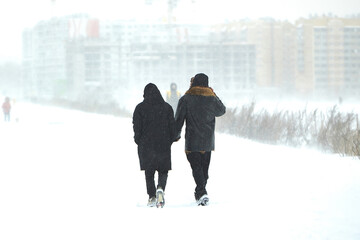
x,y
6,109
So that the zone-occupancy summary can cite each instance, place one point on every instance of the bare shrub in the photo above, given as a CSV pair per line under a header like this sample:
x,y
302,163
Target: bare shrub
x,y
332,131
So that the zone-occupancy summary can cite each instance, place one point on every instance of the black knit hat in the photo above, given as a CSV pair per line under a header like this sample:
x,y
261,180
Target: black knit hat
x,y
200,80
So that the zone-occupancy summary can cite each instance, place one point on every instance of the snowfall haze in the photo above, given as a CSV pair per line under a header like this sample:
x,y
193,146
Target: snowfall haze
x,y
66,173
18,14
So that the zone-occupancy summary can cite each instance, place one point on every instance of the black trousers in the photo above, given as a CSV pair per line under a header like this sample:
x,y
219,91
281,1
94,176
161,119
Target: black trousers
x,y
199,163
150,181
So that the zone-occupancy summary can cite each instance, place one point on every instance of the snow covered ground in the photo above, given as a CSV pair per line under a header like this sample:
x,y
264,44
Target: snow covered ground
x,y
66,174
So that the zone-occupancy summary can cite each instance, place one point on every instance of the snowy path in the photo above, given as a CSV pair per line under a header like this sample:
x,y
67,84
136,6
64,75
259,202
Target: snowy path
x,y
71,175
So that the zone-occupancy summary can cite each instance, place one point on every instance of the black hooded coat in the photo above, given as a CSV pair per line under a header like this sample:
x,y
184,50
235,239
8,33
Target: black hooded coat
x,y
154,130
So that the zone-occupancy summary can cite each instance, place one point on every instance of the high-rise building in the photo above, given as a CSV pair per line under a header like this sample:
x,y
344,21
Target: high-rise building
x,y
328,56
84,56
274,51
44,58
77,56
68,57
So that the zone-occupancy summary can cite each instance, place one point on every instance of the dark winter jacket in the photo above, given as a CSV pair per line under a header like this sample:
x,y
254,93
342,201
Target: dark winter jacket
x,y
154,129
198,107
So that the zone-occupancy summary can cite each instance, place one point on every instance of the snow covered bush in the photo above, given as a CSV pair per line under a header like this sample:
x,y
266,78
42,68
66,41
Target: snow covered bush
x,y
331,131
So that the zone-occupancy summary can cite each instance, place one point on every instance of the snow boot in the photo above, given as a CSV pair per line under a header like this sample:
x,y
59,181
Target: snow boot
x,y
203,201
152,202
160,200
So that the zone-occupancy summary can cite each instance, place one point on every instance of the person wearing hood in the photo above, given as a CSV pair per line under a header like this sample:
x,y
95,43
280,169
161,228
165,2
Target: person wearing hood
x,y
154,133
199,107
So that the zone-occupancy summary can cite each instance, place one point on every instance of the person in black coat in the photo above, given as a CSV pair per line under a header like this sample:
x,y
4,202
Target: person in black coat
x,y
154,133
199,107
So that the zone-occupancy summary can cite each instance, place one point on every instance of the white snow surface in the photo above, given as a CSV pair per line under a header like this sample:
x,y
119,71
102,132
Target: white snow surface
x,y
67,174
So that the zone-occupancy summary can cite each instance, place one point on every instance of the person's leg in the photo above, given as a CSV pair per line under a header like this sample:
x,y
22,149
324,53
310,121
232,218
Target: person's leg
x,y
150,183
162,179
205,163
194,159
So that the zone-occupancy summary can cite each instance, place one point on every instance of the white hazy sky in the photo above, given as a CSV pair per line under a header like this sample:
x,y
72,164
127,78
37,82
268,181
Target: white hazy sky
x,y
17,14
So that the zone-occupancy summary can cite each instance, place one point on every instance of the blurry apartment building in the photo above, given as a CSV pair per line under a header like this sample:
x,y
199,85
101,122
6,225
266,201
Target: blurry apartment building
x,y
74,57
315,57
77,56
273,47
328,56
68,56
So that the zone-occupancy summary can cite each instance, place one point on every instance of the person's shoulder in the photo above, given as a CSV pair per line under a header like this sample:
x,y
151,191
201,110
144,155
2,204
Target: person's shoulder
x,y
183,98
166,105
139,106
